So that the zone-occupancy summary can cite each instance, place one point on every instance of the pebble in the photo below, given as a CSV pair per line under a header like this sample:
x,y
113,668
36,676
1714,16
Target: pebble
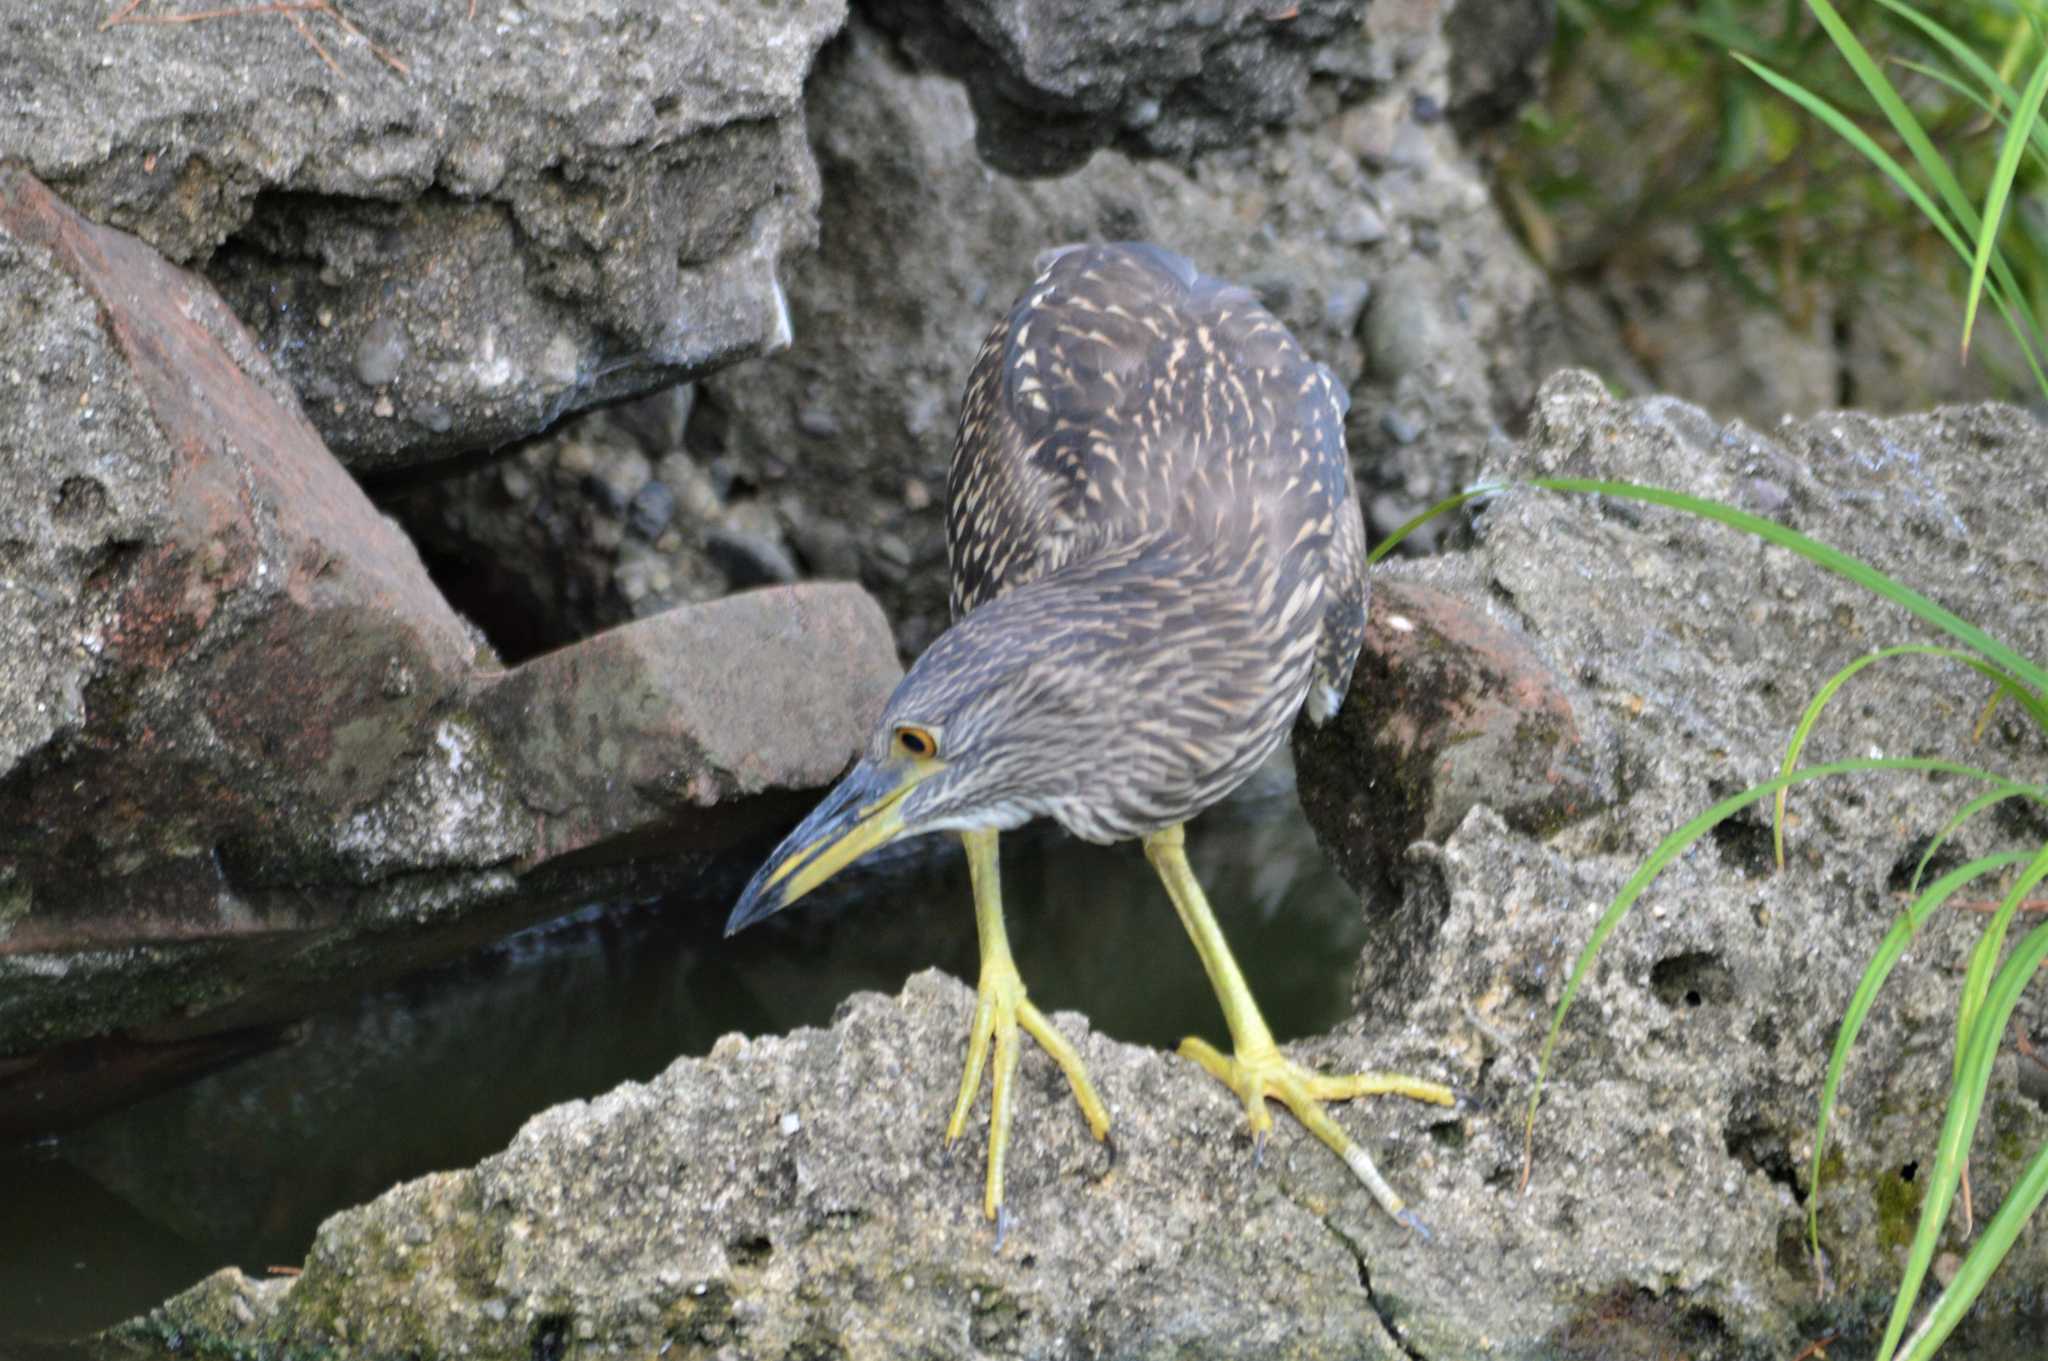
x,y
893,549
790,1123
652,507
1360,224
381,353
1345,303
749,559
829,549
817,421
1399,427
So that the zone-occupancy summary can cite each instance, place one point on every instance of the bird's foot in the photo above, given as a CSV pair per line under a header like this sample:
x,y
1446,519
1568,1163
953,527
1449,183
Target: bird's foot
x,y
1000,1011
1267,1074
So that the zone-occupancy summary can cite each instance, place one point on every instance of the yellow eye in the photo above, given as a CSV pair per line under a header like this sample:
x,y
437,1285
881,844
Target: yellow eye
x,y
917,742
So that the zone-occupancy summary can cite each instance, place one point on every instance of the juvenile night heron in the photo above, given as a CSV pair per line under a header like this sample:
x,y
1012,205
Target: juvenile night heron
x,y
1157,559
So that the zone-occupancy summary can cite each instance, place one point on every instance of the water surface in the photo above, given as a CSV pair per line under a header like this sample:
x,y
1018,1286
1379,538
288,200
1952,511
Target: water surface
x,y
239,1167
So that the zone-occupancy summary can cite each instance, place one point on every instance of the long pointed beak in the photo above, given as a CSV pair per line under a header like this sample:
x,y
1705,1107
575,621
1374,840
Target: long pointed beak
x,y
864,812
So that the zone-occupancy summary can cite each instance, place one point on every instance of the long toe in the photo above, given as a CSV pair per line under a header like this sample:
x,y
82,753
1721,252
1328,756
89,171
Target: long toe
x,y
1002,1010
1269,1075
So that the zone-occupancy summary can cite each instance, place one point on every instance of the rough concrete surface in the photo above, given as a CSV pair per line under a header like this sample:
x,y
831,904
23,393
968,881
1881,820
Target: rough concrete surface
x,y
791,1197
243,729
554,203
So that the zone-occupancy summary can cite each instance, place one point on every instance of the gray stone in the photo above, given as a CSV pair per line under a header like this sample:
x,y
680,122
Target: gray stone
x,y
251,753
749,559
504,234
1054,80
653,506
1500,54
1705,1027
1361,225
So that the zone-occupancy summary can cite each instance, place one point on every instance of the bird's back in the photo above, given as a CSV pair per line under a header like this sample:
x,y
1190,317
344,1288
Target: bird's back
x,y
1127,395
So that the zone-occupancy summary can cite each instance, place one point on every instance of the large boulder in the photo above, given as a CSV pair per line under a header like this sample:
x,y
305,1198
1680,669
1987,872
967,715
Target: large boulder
x,y
547,206
241,732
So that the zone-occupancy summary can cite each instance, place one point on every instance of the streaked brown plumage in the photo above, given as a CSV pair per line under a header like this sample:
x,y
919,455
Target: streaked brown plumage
x,y
1157,557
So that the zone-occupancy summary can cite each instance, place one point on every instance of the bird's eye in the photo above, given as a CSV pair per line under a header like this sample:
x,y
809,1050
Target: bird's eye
x,y
917,742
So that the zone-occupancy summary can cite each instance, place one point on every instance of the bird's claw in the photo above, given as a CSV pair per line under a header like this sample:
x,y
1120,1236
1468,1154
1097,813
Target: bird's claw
x,y
1410,1220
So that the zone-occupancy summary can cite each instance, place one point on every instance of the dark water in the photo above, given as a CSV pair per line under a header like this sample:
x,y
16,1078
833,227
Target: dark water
x,y
239,1167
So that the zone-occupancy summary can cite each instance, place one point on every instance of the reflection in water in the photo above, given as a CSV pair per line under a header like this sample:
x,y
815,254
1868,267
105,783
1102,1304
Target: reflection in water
x,y
240,1166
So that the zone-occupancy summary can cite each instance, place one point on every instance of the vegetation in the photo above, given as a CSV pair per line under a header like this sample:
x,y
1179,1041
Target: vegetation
x,y
1650,127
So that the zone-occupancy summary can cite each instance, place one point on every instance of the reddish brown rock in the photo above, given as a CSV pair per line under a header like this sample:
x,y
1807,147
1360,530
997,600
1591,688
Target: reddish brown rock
x,y
1449,708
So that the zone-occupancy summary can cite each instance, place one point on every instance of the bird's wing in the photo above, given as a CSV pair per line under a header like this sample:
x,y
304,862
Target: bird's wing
x,y
1058,375
1349,593
1124,393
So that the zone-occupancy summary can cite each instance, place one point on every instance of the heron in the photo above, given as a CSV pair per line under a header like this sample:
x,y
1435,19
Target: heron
x,y
1157,562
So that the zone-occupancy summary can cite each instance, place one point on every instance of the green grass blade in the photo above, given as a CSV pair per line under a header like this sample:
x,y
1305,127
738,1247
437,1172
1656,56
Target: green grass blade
x,y
1873,980
1969,810
1804,728
2010,300
1833,559
1415,522
1675,845
1990,945
1928,159
2015,145
1966,1104
1859,140
1984,1257
1960,52
1889,102
2037,140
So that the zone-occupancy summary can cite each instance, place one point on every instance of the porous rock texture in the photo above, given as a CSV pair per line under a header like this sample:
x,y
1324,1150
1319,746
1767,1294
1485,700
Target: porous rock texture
x,y
552,204
1362,224
1691,1066
242,736
790,1196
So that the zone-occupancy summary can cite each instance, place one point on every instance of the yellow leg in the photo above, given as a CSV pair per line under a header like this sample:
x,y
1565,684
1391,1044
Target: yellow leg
x,y
1258,1070
1000,1008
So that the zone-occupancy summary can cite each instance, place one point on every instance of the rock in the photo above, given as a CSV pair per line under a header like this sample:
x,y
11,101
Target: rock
x,y
1451,708
1361,225
652,507
687,1212
450,258
1715,1003
632,732
1054,80
1500,54
749,559
251,752
613,518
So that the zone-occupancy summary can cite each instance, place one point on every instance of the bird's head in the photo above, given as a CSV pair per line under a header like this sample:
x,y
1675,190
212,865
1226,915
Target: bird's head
x,y
986,731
